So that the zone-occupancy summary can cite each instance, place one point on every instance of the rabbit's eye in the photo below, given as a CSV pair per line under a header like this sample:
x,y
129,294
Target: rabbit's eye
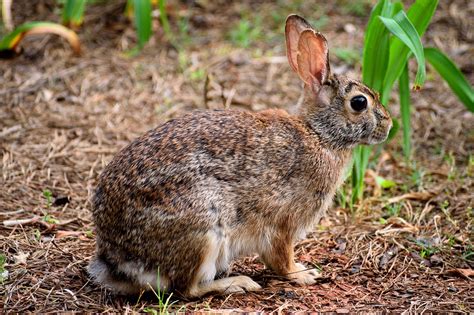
x,y
358,103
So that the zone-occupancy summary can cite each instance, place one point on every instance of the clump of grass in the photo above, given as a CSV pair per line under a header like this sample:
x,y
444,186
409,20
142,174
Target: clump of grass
x,y
164,299
348,55
3,271
246,32
49,197
355,7
48,218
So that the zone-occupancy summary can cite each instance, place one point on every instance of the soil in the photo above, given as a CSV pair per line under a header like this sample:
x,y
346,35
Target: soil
x,y
62,118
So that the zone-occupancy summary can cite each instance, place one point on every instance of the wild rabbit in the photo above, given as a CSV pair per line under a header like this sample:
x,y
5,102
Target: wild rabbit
x,y
178,204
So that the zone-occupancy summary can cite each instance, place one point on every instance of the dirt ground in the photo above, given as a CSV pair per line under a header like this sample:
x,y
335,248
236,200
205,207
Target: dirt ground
x,y
62,117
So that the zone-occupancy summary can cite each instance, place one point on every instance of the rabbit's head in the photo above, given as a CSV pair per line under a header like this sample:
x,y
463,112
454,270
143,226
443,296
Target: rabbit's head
x,y
343,112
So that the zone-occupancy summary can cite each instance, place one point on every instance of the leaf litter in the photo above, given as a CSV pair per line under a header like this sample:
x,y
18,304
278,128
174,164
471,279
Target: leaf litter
x,y
406,247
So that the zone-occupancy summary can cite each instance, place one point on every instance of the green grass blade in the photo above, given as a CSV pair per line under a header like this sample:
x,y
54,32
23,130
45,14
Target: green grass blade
x,y
452,75
376,47
404,90
164,20
403,29
142,10
73,12
420,14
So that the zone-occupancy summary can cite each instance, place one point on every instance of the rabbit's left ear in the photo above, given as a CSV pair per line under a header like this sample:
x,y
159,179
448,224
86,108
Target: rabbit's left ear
x,y
294,26
312,59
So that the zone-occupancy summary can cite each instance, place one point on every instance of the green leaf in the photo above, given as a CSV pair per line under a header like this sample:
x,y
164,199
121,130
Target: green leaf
x,y
50,219
142,10
375,61
393,132
404,90
376,47
452,75
401,27
73,12
384,183
12,39
164,21
420,14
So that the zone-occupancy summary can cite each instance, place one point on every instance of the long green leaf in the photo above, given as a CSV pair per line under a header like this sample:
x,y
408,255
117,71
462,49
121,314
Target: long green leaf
x,y
452,75
12,39
375,61
376,47
164,21
73,12
404,90
403,29
142,10
420,14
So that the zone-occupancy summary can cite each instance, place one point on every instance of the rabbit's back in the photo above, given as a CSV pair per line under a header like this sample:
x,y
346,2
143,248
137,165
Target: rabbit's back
x,y
234,150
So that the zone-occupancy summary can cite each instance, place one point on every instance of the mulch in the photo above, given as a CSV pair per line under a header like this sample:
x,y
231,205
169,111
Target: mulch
x,y
62,117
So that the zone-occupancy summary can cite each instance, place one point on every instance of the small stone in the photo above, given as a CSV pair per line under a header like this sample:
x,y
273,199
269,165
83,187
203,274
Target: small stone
x,y
342,311
350,28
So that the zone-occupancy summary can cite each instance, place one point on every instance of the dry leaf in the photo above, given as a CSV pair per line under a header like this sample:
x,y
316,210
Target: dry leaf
x,y
62,234
425,195
21,258
466,273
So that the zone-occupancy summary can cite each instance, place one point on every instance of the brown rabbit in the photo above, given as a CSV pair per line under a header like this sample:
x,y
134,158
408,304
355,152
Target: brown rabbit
x,y
177,205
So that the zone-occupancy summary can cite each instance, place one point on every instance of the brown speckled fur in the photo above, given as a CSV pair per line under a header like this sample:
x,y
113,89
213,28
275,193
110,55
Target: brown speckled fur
x,y
187,197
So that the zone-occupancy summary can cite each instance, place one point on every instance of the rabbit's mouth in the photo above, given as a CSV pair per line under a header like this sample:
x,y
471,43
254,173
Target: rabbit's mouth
x,y
380,134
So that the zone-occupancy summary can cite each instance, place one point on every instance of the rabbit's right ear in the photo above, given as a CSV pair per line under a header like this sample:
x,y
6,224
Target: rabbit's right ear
x,y
307,52
312,59
294,26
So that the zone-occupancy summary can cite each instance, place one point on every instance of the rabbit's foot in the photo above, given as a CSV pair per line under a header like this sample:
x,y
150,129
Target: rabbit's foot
x,y
238,284
303,275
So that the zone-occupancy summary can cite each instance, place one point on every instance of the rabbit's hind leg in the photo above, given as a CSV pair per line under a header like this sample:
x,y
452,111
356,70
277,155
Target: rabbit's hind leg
x,y
215,259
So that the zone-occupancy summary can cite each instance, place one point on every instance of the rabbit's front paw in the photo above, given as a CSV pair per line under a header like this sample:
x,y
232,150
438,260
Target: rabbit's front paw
x,y
240,284
303,275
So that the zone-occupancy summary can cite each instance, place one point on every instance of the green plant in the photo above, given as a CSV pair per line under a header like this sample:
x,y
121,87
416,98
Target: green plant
x,y
246,32
48,218
417,176
37,234
357,7
3,271
164,301
393,210
73,12
426,249
73,15
49,197
348,55
392,37
384,183
468,254
10,41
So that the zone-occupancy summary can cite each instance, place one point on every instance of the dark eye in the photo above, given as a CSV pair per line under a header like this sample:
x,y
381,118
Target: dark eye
x,y
359,103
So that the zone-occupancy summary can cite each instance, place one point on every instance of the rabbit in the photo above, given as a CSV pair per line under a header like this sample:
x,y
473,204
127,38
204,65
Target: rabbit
x,y
175,207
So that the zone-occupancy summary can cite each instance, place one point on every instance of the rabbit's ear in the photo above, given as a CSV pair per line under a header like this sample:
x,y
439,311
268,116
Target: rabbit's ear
x,y
312,59
294,26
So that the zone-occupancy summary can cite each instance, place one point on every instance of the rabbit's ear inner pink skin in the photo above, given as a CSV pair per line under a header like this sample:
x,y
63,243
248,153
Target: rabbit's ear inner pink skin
x,y
294,26
313,59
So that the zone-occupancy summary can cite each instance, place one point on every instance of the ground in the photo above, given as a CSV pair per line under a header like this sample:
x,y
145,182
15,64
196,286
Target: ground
x,y
62,117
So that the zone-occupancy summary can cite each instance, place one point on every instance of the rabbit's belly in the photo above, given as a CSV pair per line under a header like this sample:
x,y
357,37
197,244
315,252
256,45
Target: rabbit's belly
x,y
225,246
217,256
